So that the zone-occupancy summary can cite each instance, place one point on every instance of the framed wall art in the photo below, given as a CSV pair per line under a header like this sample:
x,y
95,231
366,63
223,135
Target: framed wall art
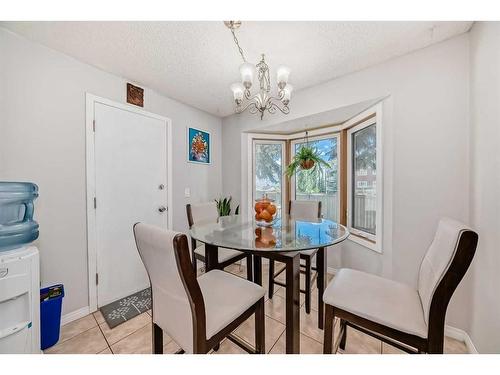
x,y
198,144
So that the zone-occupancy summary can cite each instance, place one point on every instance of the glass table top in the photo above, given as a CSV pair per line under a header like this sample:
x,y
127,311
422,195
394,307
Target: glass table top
x,y
286,234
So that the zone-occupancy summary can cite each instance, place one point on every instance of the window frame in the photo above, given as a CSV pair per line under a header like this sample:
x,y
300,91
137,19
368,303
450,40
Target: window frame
x,y
326,135
284,146
373,242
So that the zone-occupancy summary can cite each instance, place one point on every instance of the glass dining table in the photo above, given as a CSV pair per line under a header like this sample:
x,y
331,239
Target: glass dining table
x,y
281,242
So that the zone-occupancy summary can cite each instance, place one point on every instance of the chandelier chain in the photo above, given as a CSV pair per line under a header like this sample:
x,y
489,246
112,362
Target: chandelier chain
x,y
238,45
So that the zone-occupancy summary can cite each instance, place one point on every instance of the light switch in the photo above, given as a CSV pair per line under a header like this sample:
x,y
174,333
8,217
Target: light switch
x,y
187,192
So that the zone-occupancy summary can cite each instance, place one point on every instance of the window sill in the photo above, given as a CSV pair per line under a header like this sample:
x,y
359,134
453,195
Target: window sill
x,y
374,246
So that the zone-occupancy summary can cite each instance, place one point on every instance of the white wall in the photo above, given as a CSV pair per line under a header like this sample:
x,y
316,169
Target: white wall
x,y
42,140
426,153
485,184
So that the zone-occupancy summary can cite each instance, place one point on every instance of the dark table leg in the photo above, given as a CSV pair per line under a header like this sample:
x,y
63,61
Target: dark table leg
x,y
292,304
322,270
257,270
211,257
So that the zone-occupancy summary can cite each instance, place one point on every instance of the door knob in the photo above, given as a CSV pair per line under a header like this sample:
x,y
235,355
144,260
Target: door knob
x,y
162,209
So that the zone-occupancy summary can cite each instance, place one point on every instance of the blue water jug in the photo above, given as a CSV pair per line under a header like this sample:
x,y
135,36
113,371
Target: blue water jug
x,y
17,226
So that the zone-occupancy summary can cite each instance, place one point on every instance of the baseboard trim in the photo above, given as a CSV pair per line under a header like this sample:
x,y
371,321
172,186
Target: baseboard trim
x,y
331,271
74,315
461,335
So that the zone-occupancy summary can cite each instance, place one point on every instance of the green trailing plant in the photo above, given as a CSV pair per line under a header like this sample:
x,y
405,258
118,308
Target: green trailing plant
x,y
306,158
224,206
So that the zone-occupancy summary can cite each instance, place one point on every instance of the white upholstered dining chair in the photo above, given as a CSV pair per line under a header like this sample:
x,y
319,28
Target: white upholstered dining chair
x,y
207,213
410,319
197,313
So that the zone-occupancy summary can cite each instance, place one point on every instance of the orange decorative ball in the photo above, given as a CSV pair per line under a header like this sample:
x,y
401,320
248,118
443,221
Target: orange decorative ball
x,y
265,215
271,209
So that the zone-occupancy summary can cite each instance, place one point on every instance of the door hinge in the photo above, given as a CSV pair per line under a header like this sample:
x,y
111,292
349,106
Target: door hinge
x,y
95,202
93,126
96,279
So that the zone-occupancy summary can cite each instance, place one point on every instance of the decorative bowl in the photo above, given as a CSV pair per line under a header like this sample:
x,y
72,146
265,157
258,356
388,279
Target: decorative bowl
x,y
265,211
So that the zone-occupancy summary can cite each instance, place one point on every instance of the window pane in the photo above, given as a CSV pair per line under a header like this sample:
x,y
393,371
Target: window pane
x,y
364,197
269,172
320,184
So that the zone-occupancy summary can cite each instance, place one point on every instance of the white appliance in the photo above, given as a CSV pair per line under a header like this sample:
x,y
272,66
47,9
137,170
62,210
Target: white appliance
x,y
20,300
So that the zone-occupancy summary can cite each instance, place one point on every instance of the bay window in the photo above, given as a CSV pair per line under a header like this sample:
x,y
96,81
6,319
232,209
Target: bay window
x,y
349,188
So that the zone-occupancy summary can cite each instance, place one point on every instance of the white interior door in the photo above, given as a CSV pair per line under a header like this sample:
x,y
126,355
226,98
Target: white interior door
x,y
130,187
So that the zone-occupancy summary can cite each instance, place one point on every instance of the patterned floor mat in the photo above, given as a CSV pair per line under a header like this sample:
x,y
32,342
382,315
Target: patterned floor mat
x,y
126,308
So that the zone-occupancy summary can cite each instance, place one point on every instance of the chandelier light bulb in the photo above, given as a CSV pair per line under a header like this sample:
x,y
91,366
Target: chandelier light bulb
x,y
287,93
237,89
247,72
283,73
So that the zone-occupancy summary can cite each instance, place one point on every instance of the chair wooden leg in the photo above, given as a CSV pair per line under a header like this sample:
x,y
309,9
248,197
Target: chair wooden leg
x,y
343,339
321,262
257,270
194,261
271,278
260,334
308,285
217,347
435,343
157,339
328,330
249,268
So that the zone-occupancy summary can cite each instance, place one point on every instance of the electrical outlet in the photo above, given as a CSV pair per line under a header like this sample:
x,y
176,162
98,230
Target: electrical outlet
x,y
187,192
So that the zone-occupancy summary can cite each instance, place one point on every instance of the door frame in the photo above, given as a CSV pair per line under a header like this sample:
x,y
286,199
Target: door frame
x,y
91,100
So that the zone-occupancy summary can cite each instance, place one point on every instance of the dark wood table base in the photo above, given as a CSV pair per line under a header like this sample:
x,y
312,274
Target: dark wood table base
x,y
292,272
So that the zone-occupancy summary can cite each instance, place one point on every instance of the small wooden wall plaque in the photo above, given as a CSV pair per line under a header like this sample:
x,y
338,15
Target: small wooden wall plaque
x,y
135,95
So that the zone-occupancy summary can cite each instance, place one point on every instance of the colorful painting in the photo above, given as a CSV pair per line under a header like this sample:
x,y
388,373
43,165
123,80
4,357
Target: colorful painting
x,y
198,146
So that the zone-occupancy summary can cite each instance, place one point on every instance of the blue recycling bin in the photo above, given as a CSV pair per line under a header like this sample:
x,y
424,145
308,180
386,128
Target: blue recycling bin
x,y
50,314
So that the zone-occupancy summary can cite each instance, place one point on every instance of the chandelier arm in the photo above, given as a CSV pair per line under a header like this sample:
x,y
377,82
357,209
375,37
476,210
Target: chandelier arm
x,y
281,107
241,109
254,109
248,95
255,98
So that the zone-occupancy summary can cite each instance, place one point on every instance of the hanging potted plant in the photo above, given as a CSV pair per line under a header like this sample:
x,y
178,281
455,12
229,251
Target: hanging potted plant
x,y
306,158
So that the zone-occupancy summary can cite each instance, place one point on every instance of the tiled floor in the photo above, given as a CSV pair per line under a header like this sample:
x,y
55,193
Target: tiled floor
x,y
91,335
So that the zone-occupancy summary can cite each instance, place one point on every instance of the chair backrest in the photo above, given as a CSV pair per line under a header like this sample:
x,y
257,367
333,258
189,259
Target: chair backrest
x,y
203,212
305,209
178,305
443,267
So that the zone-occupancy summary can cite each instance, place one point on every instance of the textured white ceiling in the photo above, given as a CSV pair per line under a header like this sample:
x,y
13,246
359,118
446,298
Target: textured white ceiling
x,y
195,62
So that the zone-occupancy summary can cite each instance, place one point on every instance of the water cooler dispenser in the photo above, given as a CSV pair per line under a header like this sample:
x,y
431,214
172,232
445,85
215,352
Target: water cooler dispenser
x,y
19,270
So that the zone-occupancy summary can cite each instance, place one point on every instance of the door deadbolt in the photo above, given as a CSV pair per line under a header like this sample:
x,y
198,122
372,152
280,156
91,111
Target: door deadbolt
x,y
162,209
161,187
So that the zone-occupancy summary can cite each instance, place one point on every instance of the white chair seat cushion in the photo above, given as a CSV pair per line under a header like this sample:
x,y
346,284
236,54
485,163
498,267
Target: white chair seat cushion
x,y
223,254
380,300
226,297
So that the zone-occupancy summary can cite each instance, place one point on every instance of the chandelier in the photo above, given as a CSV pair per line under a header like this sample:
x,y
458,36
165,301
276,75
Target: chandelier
x,y
263,100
